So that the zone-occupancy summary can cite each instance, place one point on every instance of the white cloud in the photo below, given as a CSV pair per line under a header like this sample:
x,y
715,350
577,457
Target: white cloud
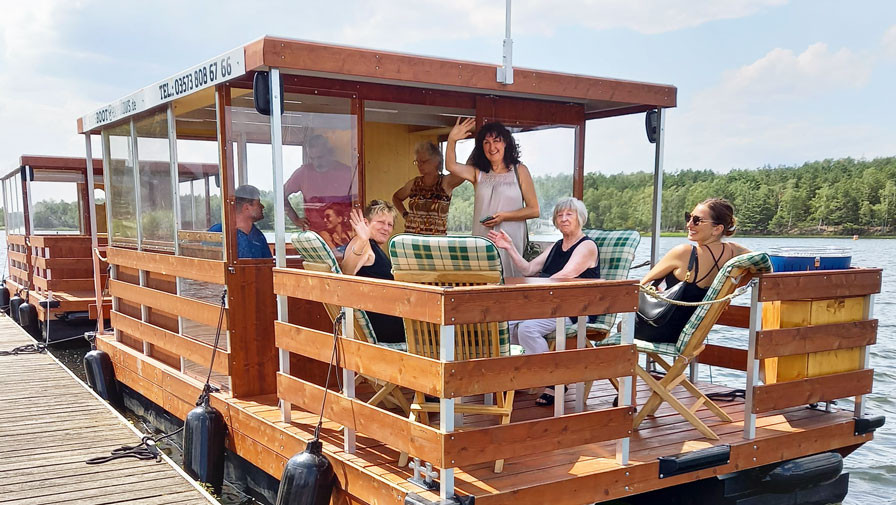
x,y
888,43
759,113
644,16
409,21
784,75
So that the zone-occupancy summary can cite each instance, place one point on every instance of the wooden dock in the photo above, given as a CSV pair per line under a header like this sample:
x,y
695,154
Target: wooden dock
x,y
50,424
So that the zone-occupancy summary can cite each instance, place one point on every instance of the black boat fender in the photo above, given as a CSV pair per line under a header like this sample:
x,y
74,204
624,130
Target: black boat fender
x,y
28,319
204,435
4,298
101,376
803,472
14,303
308,478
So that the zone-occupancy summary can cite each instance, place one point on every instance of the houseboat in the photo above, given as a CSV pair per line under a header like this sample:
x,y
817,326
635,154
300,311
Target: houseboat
x,y
255,113
49,207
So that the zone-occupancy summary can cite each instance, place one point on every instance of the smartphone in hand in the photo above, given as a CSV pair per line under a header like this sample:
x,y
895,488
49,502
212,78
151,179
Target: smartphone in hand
x,y
486,219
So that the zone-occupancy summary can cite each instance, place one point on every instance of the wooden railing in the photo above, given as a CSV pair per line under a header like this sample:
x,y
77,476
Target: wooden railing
x,y
810,334
445,447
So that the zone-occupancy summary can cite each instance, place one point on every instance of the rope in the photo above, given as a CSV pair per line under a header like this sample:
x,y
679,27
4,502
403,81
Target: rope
x,y
146,449
650,290
96,251
37,348
207,389
323,403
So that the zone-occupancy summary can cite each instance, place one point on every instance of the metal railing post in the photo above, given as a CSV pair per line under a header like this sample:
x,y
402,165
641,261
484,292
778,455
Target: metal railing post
x,y
752,363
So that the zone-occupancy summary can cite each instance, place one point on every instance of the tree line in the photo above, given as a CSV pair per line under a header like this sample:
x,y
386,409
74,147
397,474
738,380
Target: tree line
x,y
842,196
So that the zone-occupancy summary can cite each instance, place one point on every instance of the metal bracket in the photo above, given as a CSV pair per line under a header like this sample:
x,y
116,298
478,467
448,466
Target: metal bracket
x,y
415,499
693,461
865,425
423,475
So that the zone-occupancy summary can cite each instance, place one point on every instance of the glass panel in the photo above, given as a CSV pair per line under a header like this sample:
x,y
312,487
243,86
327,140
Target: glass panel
x,y
120,166
320,163
154,161
549,154
56,207
19,205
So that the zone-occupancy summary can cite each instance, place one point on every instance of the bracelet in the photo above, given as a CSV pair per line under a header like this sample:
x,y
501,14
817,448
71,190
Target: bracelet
x,y
356,253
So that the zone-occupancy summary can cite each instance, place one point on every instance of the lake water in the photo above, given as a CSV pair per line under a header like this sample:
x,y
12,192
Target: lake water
x,y
872,467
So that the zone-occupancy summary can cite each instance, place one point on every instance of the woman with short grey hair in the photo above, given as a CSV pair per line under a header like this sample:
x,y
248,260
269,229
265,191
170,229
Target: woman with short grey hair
x,y
573,256
428,195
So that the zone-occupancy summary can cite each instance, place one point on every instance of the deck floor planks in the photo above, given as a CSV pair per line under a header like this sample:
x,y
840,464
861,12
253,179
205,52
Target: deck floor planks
x,y
50,425
666,433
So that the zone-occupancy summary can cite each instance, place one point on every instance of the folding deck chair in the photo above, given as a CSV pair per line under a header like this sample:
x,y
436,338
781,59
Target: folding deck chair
x,y
317,256
452,261
736,272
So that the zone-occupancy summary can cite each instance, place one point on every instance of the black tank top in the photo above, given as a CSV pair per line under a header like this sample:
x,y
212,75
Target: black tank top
x,y
669,332
387,328
558,258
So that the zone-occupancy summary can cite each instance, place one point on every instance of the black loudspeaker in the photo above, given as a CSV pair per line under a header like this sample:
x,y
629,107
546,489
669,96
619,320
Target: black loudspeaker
x,y
261,93
650,124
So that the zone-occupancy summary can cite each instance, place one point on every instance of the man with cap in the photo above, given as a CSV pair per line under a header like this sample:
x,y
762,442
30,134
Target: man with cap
x,y
250,242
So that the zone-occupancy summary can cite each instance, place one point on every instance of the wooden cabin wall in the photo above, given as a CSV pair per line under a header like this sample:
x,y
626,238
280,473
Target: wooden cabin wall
x,y
388,160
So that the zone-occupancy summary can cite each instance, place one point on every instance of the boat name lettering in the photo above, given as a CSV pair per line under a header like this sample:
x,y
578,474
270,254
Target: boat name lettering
x,y
207,74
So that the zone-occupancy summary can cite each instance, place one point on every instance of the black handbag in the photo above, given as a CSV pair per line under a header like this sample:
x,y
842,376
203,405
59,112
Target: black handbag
x,y
657,312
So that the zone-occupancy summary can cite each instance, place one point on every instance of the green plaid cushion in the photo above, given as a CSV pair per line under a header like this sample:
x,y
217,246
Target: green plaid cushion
x,y
449,254
313,248
617,251
756,262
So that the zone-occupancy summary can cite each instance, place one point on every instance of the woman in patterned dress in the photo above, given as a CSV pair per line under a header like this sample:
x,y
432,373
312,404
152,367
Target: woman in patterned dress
x,y
428,195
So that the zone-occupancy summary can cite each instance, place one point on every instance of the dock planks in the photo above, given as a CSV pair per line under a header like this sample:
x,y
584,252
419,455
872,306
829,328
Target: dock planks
x,y
50,425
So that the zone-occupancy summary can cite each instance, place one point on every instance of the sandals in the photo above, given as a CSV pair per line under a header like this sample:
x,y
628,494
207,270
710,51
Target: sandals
x,y
546,399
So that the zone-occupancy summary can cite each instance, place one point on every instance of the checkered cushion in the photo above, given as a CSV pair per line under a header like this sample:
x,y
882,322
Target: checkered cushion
x,y
443,253
312,248
448,254
755,262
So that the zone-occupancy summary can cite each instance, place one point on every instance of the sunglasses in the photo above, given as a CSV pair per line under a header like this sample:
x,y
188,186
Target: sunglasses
x,y
695,220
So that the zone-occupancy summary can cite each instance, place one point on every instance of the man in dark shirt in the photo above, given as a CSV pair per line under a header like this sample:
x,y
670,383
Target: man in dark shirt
x,y
250,242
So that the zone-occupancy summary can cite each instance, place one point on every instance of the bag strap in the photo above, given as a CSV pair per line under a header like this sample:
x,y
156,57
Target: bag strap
x,y
691,263
516,172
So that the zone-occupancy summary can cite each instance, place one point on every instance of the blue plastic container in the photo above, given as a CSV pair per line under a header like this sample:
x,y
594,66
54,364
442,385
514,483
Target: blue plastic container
x,y
800,259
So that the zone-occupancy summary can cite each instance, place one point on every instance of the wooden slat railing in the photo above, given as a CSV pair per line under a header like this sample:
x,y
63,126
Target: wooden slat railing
x,y
833,300
454,379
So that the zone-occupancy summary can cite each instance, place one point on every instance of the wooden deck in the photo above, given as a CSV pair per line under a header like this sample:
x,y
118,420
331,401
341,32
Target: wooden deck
x,y
590,473
50,424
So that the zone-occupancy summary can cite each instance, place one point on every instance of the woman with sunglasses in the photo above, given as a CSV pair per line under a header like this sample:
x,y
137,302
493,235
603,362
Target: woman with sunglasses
x,y
709,222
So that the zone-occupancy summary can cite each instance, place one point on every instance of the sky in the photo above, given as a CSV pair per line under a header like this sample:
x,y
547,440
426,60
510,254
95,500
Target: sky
x,y
760,82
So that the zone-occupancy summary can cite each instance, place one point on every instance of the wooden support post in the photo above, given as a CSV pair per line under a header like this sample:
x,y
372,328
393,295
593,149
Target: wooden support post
x,y
752,363
250,322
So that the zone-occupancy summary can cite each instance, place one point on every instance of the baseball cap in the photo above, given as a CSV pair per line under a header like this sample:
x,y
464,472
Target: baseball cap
x,y
247,192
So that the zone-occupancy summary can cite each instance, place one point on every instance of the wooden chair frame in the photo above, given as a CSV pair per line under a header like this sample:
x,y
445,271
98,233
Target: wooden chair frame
x,y
472,341
675,371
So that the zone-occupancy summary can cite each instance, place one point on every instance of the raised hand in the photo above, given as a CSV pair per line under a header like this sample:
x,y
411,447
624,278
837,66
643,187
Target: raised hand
x,y
359,224
461,129
501,239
